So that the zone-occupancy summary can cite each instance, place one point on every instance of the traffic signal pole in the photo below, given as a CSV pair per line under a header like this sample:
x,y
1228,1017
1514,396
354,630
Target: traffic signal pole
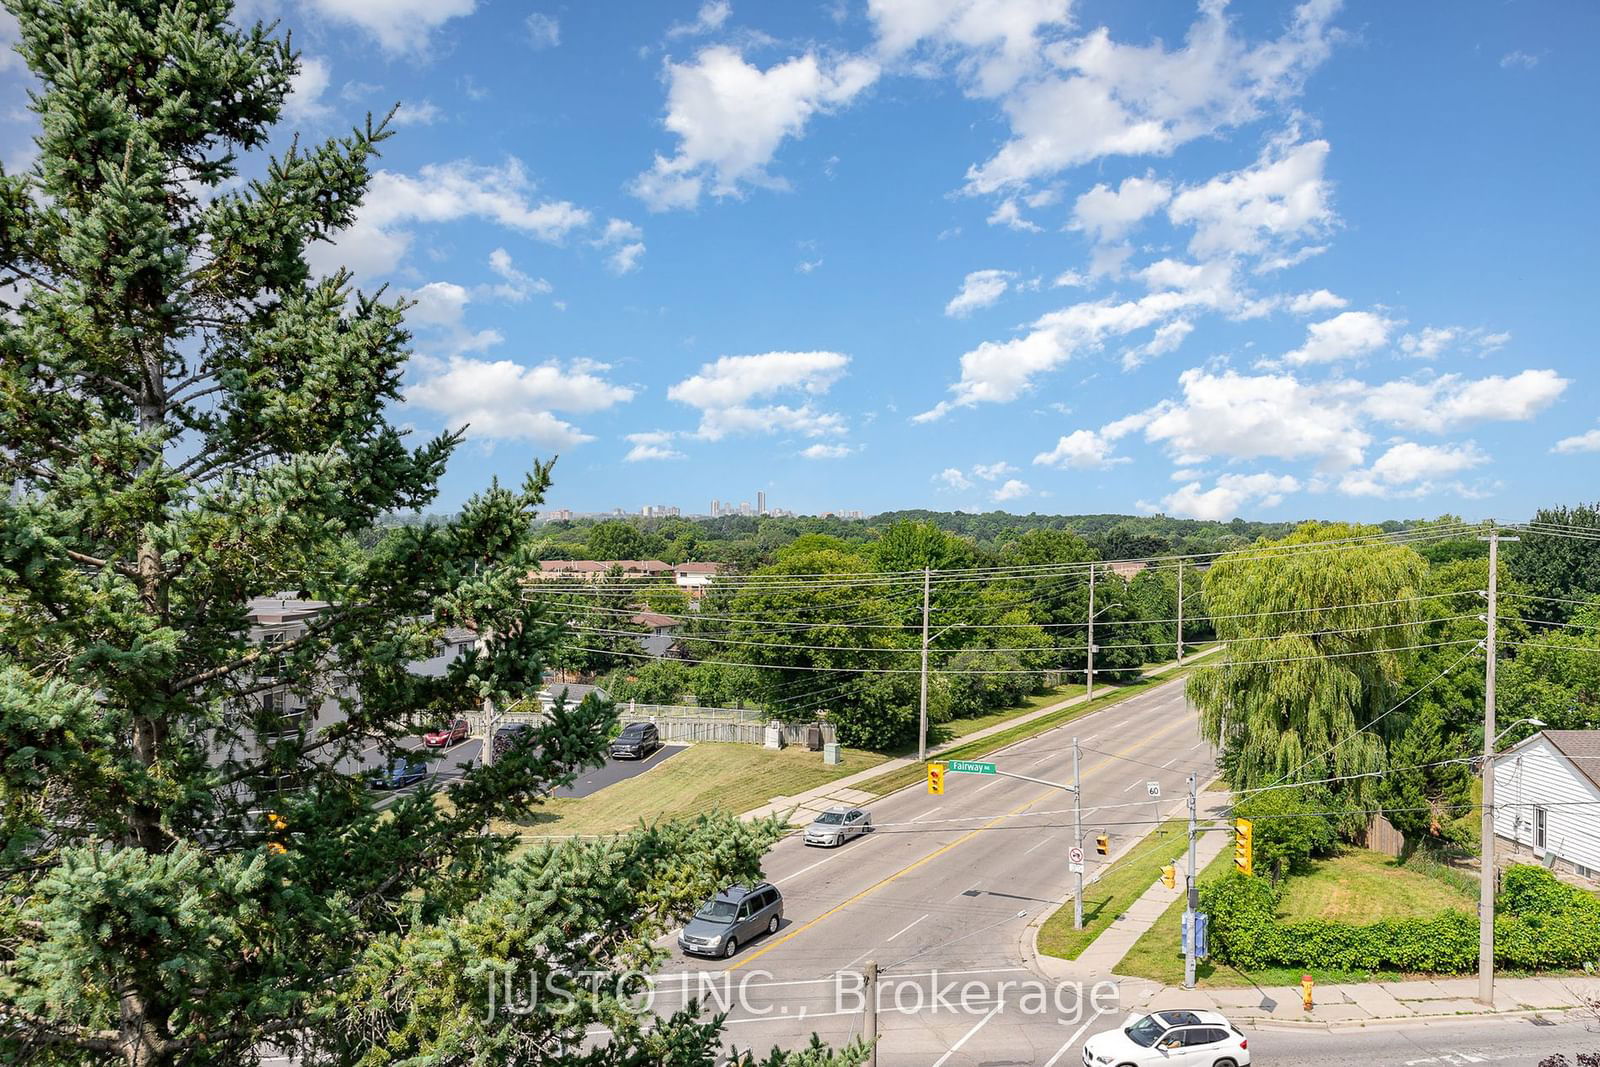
x,y
1077,835
1193,908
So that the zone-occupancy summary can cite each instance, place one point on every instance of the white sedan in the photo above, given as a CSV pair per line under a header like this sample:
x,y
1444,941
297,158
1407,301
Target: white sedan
x,y
1170,1039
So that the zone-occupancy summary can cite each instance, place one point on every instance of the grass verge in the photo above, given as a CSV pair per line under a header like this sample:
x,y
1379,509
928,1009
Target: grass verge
x,y
1113,892
956,729
704,777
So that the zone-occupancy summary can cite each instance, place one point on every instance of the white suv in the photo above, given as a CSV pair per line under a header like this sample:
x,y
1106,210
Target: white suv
x,y
1171,1039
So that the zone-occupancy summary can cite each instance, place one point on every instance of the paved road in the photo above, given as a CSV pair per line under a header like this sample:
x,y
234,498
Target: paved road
x,y
613,771
945,890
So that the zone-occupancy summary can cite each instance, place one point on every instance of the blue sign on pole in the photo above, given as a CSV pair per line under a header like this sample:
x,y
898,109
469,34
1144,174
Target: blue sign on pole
x,y
1203,943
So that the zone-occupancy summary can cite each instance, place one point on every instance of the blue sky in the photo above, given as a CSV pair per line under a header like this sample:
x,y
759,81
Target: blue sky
x,y
1275,260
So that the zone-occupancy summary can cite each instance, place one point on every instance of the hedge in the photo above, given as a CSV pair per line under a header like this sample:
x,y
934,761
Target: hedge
x,y
1541,923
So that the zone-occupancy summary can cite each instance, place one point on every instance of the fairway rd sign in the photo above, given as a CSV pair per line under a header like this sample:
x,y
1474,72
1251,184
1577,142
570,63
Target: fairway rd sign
x,y
961,766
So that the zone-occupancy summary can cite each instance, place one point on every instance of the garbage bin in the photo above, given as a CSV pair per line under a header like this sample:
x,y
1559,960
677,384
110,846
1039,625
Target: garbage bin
x,y
814,738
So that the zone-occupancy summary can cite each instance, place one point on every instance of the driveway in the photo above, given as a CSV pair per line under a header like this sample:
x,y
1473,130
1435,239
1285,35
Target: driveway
x,y
613,771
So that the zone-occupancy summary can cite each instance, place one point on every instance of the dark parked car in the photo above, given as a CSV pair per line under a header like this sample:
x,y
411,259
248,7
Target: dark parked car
x,y
732,918
398,774
637,740
451,733
512,733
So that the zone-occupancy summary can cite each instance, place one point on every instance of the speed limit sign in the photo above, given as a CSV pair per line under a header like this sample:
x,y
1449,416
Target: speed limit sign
x,y
1152,790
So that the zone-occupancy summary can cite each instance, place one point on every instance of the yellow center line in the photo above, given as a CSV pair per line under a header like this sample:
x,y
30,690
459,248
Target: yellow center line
x,y
936,853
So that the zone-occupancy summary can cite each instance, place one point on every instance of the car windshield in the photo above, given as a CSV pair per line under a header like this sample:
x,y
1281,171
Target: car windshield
x,y
718,911
633,731
830,818
1145,1031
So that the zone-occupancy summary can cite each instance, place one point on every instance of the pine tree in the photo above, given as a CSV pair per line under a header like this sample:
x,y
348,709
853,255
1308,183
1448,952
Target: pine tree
x,y
188,419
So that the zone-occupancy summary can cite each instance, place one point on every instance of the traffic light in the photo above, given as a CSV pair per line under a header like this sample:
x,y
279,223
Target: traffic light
x,y
277,826
1169,876
1243,833
1102,844
936,779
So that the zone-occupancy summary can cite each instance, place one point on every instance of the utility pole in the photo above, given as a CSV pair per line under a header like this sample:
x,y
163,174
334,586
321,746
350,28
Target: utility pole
x,y
1088,676
1486,877
1180,612
1077,833
870,1029
1191,912
922,723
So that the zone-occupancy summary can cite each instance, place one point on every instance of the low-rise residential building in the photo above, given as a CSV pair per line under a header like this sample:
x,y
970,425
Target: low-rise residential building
x,y
590,570
1546,800
693,578
660,638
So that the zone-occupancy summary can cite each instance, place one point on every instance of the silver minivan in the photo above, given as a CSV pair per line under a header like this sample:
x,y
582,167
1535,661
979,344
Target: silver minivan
x,y
733,917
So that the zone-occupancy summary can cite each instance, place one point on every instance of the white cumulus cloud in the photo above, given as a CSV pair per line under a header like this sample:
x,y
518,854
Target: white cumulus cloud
x,y
1345,336
1262,209
730,118
821,451
651,445
397,25
1583,442
1410,469
727,393
979,289
1090,96
442,193
1011,490
1450,401
504,399
1230,494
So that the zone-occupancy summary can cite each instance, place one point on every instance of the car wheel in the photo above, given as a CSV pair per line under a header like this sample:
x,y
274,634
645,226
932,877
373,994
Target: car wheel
x,y
731,947
772,925
1225,1063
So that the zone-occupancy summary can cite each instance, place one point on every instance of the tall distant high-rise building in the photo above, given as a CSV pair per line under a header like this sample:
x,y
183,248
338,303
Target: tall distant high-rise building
x,y
716,507
761,502
744,507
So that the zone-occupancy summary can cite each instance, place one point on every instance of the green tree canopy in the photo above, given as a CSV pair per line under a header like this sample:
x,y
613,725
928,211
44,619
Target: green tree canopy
x,y
1317,650
189,419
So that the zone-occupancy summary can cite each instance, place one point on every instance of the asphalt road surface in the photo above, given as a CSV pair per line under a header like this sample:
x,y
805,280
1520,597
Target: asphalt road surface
x,y
614,770
942,895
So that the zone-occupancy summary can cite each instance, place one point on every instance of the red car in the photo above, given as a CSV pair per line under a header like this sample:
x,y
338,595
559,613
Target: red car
x,y
452,733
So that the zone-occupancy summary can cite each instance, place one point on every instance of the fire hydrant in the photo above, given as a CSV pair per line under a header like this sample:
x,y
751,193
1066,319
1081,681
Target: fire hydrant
x,y
1305,990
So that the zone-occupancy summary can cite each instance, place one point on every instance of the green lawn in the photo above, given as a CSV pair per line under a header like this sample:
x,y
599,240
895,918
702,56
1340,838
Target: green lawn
x,y
1158,954
1358,886
705,777
1111,894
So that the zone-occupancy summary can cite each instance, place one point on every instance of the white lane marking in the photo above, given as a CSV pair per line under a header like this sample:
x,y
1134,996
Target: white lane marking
x,y
979,1025
927,814
908,926
1169,762
1073,1040
997,780
814,866
1034,846
1130,785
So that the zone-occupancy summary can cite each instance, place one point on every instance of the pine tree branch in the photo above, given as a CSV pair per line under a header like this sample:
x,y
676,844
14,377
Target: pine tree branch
x,y
40,1030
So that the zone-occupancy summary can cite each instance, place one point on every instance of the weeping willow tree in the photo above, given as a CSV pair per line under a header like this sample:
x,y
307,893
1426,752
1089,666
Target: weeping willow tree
x,y
1318,647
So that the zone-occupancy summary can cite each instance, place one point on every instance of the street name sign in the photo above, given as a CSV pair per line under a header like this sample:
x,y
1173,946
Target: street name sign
x,y
961,766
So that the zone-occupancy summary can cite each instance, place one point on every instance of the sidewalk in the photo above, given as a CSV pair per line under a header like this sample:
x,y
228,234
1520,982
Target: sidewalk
x,y
840,791
1339,1006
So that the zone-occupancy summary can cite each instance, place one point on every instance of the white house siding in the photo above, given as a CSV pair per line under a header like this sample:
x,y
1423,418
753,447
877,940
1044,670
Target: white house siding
x,y
1537,774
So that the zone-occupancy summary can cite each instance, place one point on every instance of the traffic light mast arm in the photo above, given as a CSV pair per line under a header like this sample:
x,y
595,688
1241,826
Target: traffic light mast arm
x,y
1040,781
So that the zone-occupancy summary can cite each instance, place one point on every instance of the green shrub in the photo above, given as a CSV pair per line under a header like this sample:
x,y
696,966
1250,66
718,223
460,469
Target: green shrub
x,y
1543,924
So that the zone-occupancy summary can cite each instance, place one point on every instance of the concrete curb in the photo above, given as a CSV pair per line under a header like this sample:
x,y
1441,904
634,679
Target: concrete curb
x,y
1333,1026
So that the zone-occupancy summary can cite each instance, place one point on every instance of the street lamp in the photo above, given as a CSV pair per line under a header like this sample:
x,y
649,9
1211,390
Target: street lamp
x,y
1088,674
